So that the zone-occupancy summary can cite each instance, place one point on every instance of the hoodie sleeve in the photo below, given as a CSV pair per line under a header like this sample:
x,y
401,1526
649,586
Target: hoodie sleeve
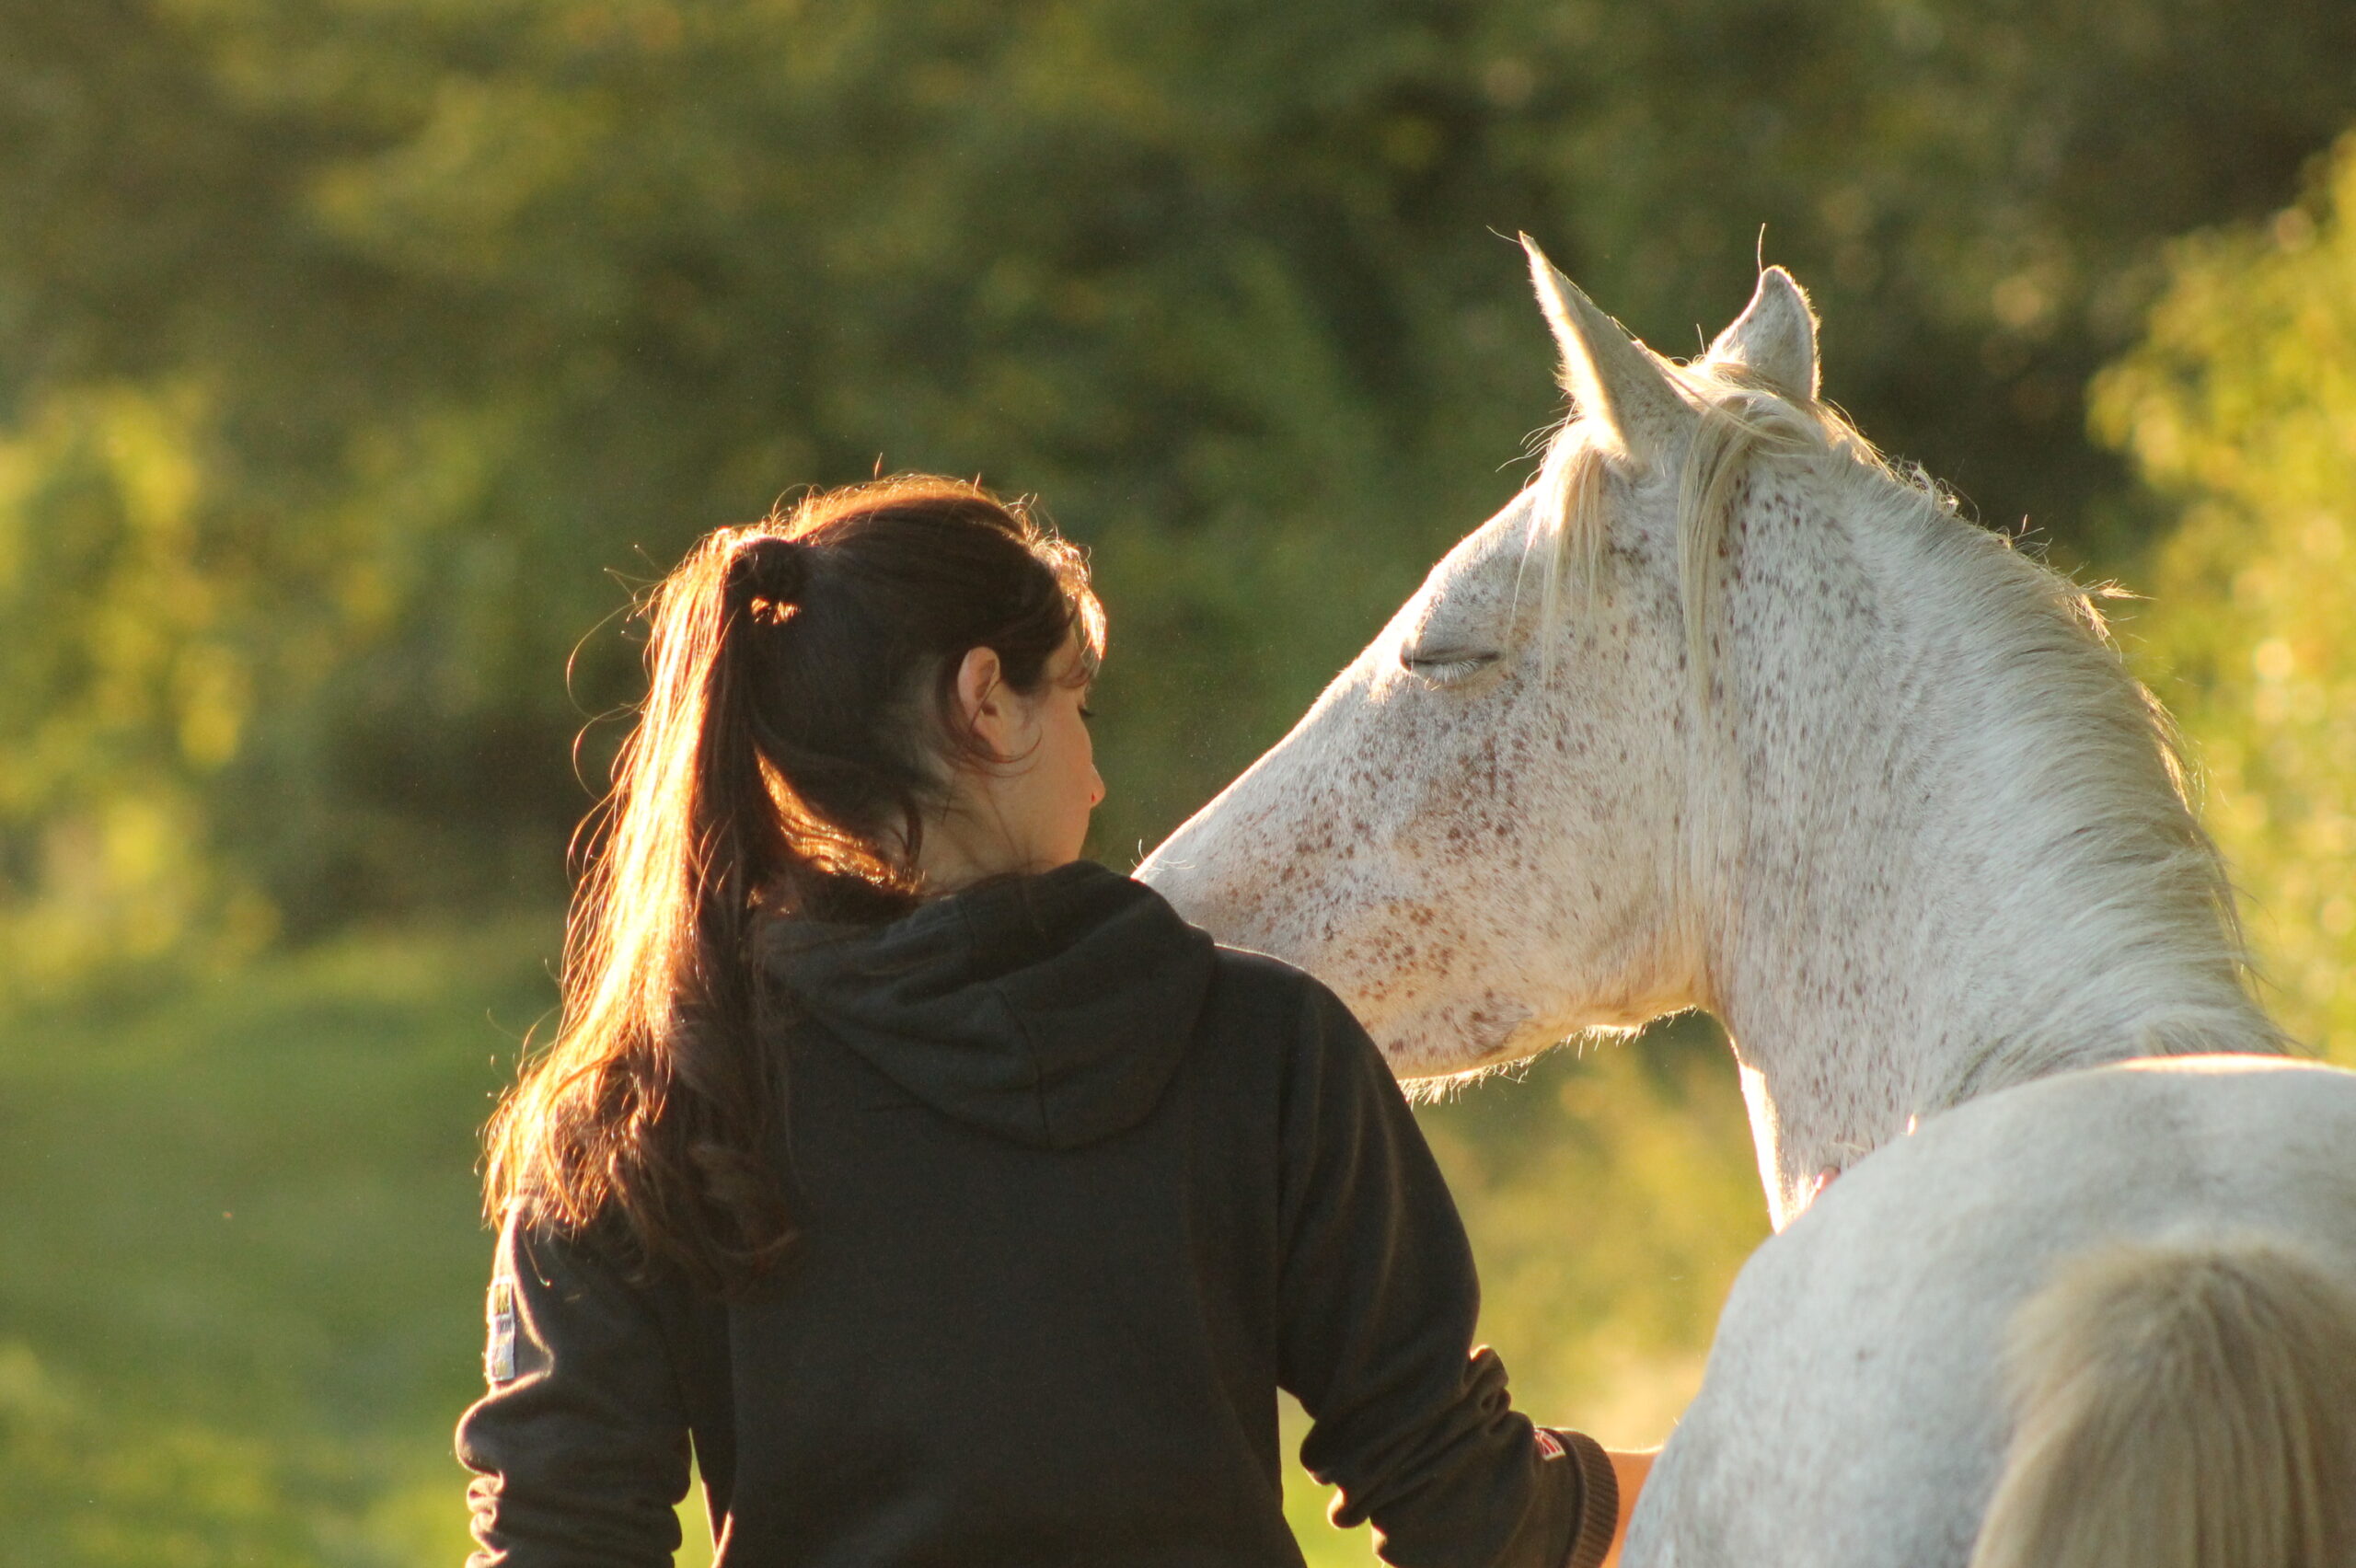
x,y
580,1448
1410,1419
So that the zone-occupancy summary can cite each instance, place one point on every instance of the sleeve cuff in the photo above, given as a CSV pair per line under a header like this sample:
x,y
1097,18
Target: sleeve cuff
x,y
1599,1498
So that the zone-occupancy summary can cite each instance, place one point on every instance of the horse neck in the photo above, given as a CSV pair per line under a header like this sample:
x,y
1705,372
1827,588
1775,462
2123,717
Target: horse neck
x,y
1950,855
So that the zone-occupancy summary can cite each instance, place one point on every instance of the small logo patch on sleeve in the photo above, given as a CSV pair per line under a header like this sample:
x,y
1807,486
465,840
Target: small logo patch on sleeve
x,y
499,1355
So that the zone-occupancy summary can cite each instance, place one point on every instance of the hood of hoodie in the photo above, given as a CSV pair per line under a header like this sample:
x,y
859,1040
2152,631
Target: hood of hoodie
x,y
1050,1009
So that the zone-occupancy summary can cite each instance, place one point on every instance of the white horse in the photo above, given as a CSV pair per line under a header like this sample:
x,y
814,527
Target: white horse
x,y
1723,711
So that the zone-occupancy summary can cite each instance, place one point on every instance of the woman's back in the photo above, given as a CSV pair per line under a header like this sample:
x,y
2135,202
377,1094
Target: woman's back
x,y
1027,1318
1077,1190
954,1198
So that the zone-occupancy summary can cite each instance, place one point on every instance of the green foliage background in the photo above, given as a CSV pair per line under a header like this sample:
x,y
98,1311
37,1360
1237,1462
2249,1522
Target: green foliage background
x,y
2240,406
356,357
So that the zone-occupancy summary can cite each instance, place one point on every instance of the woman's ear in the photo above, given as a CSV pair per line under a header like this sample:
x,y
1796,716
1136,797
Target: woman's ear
x,y
981,700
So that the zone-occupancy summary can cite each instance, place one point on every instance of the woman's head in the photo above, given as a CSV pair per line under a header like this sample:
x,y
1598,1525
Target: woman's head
x,y
1021,802
851,704
895,658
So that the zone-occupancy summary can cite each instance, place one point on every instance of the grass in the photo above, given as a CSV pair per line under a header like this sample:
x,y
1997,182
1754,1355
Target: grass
x,y
239,1312
241,1303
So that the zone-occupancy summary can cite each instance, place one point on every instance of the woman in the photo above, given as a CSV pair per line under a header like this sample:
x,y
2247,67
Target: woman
x,y
957,1200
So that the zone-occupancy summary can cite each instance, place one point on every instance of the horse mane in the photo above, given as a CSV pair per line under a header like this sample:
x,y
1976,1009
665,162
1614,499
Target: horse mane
x,y
2091,738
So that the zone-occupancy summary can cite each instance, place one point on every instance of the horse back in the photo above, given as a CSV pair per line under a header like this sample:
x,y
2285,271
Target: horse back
x,y
1852,1413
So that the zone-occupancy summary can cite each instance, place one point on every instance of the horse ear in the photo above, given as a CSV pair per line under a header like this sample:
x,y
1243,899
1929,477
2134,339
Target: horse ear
x,y
1774,338
1608,373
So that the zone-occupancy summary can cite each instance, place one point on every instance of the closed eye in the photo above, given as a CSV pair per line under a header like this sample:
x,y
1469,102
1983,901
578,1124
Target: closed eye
x,y
1445,666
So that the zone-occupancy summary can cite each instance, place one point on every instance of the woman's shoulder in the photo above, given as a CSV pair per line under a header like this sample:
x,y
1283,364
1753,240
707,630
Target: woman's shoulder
x,y
1261,995
1241,976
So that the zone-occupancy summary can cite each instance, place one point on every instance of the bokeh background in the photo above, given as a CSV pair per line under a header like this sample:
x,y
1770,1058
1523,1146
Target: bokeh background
x,y
359,358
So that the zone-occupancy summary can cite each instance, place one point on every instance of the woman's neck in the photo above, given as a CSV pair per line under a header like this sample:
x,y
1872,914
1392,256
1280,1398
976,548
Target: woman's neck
x,y
967,844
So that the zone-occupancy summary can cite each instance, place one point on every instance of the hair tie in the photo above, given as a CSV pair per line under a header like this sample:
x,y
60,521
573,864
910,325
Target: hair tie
x,y
769,570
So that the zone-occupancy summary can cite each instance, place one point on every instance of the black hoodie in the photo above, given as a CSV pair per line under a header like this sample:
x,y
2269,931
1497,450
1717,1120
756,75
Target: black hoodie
x,y
1078,1192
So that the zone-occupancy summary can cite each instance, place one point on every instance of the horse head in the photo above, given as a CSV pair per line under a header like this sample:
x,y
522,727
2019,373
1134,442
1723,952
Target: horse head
x,y
1724,711
1478,835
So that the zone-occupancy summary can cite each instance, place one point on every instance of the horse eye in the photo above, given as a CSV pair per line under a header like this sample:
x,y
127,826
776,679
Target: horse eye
x,y
1443,666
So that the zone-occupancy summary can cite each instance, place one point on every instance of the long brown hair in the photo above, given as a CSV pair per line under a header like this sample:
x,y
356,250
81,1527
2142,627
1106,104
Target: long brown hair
x,y
799,722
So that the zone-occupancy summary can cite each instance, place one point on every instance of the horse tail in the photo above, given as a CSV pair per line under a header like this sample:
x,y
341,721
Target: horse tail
x,y
2180,1406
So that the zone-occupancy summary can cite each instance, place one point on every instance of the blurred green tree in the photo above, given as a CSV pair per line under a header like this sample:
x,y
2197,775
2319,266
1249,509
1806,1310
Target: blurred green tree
x,y
2240,406
348,348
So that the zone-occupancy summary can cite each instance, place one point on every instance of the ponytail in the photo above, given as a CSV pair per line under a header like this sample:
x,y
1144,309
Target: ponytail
x,y
794,732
